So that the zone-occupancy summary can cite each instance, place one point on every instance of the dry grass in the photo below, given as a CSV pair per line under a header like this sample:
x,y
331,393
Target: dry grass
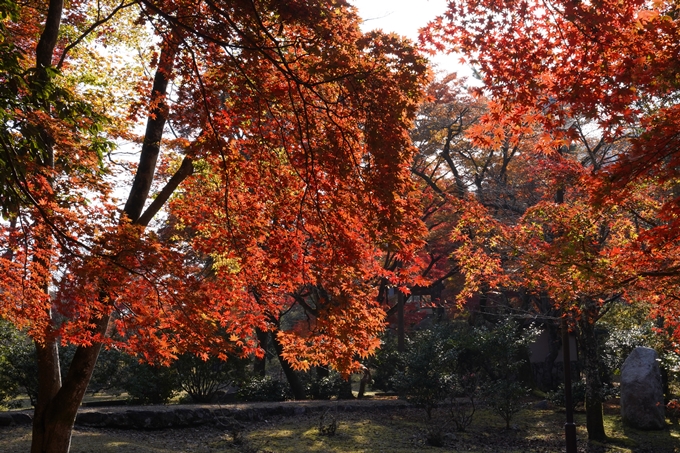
x,y
366,432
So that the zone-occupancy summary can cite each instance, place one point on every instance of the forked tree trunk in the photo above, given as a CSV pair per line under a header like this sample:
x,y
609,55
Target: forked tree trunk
x,y
591,368
58,402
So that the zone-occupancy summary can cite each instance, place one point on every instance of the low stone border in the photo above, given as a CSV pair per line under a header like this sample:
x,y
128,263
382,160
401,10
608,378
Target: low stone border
x,y
182,416
15,418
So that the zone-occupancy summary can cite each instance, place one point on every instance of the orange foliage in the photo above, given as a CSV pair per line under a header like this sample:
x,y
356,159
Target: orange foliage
x,y
564,68
296,125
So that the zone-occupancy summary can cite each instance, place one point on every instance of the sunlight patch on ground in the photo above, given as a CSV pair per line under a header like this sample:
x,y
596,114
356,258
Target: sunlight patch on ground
x,y
371,432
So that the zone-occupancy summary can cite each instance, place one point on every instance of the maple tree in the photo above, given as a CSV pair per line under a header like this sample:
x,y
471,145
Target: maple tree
x,y
564,67
469,165
462,162
286,177
450,168
576,252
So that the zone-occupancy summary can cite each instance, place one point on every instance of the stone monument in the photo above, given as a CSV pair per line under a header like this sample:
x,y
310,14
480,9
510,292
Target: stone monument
x,y
642,405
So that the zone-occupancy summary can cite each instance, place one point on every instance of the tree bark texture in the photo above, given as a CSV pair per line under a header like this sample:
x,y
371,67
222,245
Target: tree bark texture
x,y
591,368
58,402
291,375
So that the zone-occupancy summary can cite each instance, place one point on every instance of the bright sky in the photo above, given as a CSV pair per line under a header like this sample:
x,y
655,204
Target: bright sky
x,y
405,17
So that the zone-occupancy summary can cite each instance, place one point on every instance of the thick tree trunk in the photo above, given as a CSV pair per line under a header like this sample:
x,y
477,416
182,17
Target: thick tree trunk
x,y
591,368
58,403
49,383
291,375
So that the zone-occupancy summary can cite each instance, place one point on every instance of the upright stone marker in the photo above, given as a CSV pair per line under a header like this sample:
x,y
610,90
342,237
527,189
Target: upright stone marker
x,y
642,404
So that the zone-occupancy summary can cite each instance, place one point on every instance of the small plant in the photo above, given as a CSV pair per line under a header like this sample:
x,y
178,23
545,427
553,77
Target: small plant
x,y
461,411
578,394
463,391
435,436
234,428
505,399
328,425
673,410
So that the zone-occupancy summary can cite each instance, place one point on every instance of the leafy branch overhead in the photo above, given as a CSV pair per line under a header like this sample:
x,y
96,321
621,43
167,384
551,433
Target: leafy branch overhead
x,y
177,176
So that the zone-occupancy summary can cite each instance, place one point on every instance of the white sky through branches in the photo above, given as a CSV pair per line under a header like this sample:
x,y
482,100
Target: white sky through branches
x,y
406,17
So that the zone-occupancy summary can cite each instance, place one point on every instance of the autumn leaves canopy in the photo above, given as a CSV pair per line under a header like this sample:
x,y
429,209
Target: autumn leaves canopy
x,y
288,130
590,89
275,169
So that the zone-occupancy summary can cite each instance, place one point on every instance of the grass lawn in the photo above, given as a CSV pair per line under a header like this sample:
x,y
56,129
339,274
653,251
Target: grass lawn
x,y
372,431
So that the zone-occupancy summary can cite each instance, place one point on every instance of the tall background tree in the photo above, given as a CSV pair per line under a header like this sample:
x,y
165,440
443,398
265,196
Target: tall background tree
x,y
595,79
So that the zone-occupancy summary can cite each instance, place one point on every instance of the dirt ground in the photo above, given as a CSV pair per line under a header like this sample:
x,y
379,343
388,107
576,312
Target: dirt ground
x,y
365,430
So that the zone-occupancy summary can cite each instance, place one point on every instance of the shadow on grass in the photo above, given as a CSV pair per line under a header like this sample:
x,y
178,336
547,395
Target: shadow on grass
x,y
624,439
400,431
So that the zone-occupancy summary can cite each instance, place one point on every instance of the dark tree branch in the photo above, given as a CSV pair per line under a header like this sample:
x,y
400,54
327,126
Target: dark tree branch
x,y
141,185
185,170
48,39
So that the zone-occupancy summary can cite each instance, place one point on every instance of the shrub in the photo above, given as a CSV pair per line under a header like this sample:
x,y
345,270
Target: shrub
x,y
504,350
456,362
462,396
148,384
108,372
204,380
265,389
578,394
18,366
425,376
386,363
505,398
326,387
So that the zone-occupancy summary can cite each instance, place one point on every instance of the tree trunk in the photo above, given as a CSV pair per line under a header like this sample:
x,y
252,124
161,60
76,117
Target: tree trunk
x,y
591,368
291,375
365,380
401,335
260,365
58,403
49,383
